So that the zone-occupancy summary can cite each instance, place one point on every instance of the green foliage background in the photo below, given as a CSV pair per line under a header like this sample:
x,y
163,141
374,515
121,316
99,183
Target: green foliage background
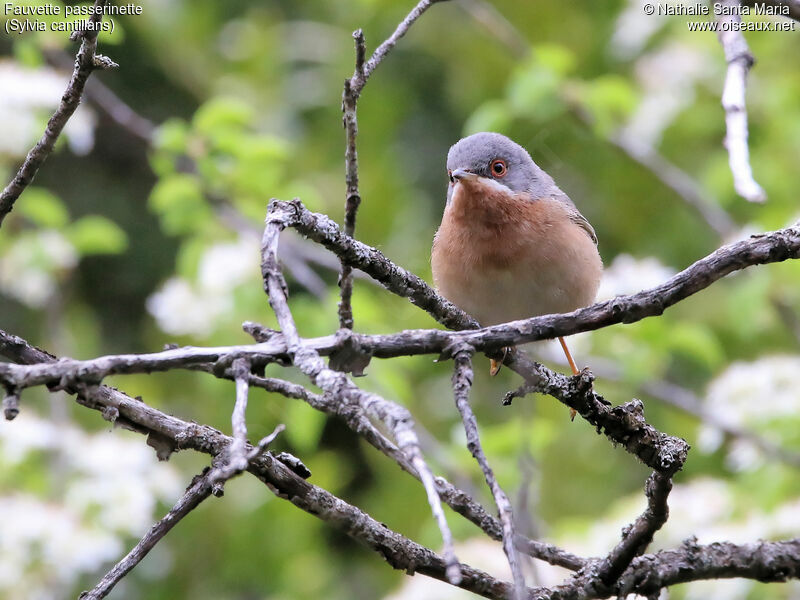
x,y
246,96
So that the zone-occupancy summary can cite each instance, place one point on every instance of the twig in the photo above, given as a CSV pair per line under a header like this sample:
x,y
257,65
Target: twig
x,y
11,404
739,59
237,455
384,49
637,536
352,90
334,382
352,197
198,490
462,383
86,61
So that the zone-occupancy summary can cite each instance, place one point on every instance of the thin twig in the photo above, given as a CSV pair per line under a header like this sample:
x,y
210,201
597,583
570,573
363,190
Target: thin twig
x,y
384,49
86,61
462,383
334,382
199,490
237,455
352,195
108,102
11,404
739,59
352,90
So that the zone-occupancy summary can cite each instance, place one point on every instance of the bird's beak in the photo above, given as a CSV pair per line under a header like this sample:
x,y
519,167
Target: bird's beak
x,y
463,174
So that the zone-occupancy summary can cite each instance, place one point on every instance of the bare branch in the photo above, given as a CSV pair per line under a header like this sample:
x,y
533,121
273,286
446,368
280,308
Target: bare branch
x,y
237,455
462,383
397,550
353,197
739,59
352,90
309,362
198,490
638,536
86,61
108,103
761,561
360,78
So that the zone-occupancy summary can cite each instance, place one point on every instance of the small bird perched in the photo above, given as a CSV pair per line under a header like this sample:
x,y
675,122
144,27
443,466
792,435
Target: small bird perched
x,y
511,244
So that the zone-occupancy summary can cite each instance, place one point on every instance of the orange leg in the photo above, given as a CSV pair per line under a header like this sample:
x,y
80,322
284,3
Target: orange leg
x,y
575,371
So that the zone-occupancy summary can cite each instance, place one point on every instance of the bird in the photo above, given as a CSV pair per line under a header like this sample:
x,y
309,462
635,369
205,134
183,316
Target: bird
x,y
511,244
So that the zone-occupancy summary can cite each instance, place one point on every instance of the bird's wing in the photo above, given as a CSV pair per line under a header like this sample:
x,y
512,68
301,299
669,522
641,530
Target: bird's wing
x,y
577,218
574,214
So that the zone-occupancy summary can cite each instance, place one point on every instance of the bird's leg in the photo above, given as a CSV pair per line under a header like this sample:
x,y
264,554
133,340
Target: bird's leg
x,y
494,365
575,371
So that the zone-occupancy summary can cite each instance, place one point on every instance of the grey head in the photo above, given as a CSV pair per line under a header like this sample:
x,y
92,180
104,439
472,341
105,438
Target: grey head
x,y
496,157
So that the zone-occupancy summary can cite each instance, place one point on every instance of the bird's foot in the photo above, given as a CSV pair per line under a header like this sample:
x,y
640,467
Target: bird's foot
x,y
494,365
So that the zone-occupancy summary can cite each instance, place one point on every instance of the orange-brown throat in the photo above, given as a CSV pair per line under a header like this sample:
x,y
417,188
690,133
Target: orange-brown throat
x,y
483,200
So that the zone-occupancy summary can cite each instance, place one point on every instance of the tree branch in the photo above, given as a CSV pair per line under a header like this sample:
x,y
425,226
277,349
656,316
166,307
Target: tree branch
x,y
638,536
462,383
775,246
352,90
761,561
397,418
165,430
86,61
739,59
198,490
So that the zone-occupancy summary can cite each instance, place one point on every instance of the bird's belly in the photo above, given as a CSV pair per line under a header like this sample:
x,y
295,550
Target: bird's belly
x,y
498,295
529,267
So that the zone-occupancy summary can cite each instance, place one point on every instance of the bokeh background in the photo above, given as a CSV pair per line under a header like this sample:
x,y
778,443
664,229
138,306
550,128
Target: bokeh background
x,y
142,229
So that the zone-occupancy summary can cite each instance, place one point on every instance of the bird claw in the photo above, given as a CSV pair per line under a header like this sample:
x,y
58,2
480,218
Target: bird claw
x,y
494,365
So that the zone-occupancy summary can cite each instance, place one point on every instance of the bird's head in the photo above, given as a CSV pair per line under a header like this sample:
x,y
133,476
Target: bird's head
x,y
489,160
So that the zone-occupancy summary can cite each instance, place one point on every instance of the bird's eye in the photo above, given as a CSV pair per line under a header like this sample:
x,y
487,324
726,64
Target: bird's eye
x,y
450,176
498,167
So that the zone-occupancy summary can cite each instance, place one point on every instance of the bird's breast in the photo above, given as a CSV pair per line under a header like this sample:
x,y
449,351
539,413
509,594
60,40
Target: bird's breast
x,y
502,256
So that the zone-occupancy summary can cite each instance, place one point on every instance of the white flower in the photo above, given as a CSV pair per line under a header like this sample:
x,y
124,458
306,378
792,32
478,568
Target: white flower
x,y
226,265
29,94
112,482
29,268
180,307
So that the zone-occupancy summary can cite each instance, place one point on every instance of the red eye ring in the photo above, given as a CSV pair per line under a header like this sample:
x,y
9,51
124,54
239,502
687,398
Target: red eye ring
x,y
498,167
